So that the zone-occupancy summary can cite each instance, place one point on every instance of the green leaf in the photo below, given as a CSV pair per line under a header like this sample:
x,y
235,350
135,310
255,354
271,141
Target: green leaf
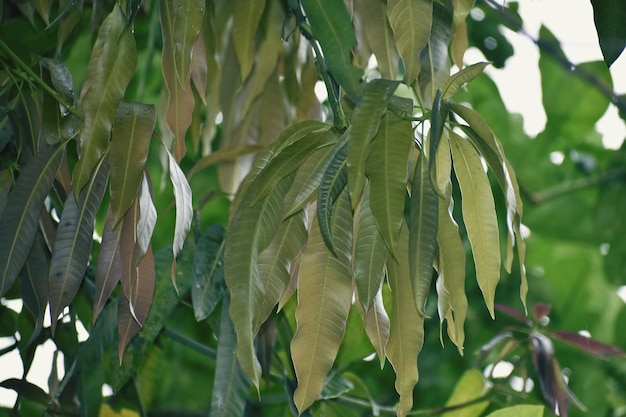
x,y
377,327
423,220
222,155
246,17
111,66
609,16
74,237
332,27
411,22
324,300
470,386
461,78
380,37
130,141
333,181
231,386
406,335
434,60
365,123
34,284
20,216
438,119
479,216
519,411
370,254
109,266
208,272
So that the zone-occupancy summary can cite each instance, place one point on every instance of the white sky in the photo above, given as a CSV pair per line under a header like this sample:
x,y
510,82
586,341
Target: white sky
x,y
571,21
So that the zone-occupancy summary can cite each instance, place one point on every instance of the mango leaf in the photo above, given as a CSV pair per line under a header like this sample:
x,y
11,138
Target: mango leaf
x,y
324,300
147,217
423,214
470,386
519,411
5,186
34,284
109,266
380,37
111,66
246,17
460,40
332,183
461,78
589,345
222,155
411,23
208,272
332,28
130,141
370,254
434,59
277,261
74,237
365,122
607,15
479,216
377,326
231,386
438,118
20,217
406,335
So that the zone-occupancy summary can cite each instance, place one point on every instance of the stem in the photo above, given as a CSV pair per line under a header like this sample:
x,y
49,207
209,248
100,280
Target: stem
x,y
572,186
190,343
37,79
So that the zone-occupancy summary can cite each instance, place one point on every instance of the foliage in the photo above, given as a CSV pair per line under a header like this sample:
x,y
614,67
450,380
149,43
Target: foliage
x,y
283,226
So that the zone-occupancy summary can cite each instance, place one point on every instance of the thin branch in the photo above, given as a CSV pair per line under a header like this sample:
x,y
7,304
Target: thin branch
x,y
190,343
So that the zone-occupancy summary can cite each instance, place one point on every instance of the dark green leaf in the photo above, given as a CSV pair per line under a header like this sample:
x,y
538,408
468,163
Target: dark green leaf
x,y
434,59
208,272
109,267
609,17
333,181
34,284
438,119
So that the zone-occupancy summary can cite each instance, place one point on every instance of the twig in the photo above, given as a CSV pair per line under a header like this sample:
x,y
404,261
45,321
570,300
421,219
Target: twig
x,y
190,343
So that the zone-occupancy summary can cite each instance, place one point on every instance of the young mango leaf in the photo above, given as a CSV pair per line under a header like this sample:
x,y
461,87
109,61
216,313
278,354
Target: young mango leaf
x,y
208,272
109,267
74,237
423,219
589,345
332,28
519,411
479,216
380,37
231,386
461,78
470,386
111,66
607,15
377,327
332,183
276,263
130,141
370,255
20,217
324,300
434,59
411,23
246,17
365,122
549,374
406,335
34,284
438,119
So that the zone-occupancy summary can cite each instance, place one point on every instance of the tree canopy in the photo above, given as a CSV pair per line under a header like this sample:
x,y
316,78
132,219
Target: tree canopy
x,y
305,207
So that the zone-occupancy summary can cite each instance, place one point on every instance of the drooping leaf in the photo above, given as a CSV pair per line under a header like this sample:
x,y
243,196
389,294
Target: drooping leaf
x,y
589,345
147,217
246,17
460,40
461,78
231,387
438,119
406,335
111,66
5,187
333,181
411,22
74,237
109,266
380,37
20,217
370,254
377,326
387,170
333,29
365,122
324,300
34,284
434,59
608,16
208,272
423,219
519,411
479,216
470,386
130,141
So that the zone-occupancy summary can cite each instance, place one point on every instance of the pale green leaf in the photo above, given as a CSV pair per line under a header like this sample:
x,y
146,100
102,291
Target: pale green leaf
x,y
72,246
365,122
377,326
109,266
231,386
470,386
443,161
380,37
184,208
519,411
324,300
332,183
332,27
20,217
147,217
434,60
185,19
479,216
411,21
370,254
387,168
111,66
246,17
461,78
208,272
423,218
406,335
130,141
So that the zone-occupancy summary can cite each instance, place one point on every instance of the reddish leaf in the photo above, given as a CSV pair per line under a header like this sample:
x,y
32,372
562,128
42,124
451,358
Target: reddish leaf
x,y
541,310
511,312
588,344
